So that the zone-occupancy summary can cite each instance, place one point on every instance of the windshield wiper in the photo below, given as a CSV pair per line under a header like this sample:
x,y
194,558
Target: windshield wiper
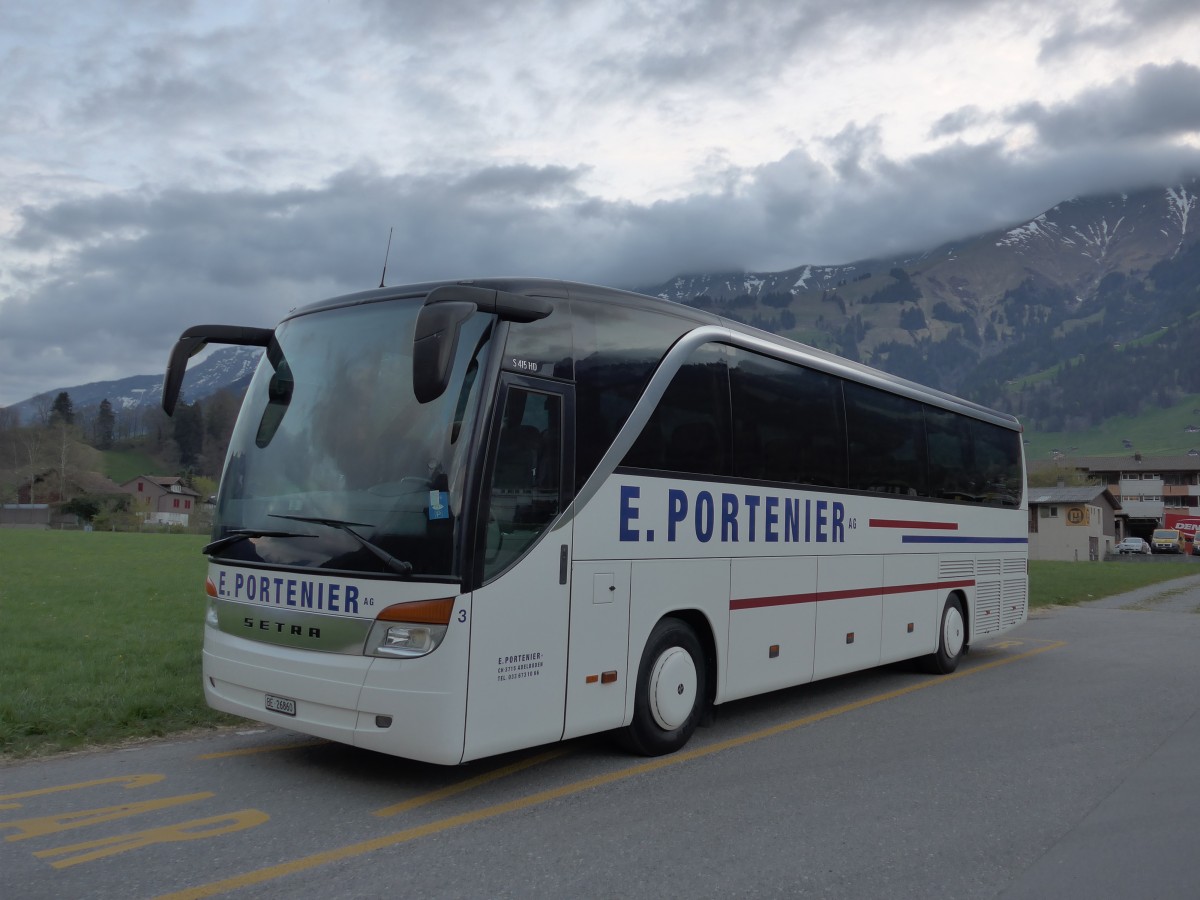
x,y
396,565
242,534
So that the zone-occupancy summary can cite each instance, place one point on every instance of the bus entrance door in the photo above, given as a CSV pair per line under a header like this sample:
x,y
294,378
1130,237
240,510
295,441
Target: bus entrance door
x,y
520,614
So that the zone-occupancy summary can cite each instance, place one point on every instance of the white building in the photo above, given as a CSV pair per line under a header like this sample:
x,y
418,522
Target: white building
x,y
1072,523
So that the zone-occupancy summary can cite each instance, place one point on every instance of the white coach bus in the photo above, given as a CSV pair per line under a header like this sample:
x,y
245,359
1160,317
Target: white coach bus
x,y
458,519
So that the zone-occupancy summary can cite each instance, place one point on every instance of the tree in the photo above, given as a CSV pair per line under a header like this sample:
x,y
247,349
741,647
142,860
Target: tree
x,y
62,410
220,414
912,318
87,508
31,451
106,424
189,432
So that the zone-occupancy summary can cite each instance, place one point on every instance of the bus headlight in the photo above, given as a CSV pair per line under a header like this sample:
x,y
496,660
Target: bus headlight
x,y
406,630
210,613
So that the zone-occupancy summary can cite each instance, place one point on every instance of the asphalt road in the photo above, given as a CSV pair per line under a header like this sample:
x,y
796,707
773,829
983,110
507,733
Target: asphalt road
x,y
1059,761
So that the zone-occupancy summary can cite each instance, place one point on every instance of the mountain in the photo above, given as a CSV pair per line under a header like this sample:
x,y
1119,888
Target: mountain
x,y
224,368
1089,310
1057,261
1090,282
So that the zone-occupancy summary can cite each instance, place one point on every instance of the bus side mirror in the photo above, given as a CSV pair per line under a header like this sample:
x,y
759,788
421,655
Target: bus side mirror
x,y
196,339
435,343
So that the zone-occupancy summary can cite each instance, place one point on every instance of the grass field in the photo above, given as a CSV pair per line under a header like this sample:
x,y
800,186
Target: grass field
x,y
1154,432
100,633
123,465
1068,583
100,638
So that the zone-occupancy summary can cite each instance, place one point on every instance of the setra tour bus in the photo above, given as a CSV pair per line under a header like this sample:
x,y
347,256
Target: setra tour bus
x,y
462,518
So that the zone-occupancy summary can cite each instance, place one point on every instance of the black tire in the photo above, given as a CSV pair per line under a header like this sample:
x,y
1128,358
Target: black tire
x,y
952,639
672,690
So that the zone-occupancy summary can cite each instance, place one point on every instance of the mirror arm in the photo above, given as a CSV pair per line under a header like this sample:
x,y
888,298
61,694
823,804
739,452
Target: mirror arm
x,y
446,308
196,339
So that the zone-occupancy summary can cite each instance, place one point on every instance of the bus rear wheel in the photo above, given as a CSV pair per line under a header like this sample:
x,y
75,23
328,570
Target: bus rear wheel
x,y
672,688
952,639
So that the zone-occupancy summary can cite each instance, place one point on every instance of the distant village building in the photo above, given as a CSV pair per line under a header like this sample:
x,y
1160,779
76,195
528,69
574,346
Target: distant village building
x,y
25,515
39,499
1152,491
162,500
1072,523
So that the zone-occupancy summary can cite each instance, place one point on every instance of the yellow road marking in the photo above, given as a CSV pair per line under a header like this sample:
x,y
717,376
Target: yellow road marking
x,y
469,783
128,781
250,751
43,825
194,830
409,834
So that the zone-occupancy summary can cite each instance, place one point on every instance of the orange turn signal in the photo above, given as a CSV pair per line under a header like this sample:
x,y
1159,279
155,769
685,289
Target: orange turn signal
x,y
428,612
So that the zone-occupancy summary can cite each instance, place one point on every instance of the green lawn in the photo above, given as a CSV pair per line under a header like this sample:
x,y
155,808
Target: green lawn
x,y
100,635
100,632
1153,432
124,465
1067,583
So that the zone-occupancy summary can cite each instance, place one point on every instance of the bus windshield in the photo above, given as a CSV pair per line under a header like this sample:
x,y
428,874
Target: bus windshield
x,y
335,465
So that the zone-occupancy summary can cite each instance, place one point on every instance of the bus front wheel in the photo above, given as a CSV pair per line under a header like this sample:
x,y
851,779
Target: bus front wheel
x,y
952,639
672,688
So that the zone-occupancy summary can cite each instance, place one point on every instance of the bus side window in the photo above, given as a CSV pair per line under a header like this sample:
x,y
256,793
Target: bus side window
x,y
787,422
616,352
689,430
525,490
998,457
886,440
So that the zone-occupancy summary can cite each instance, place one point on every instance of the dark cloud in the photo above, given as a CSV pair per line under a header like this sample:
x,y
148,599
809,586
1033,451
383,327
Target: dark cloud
x,y
132,271
1133,20
1157,102
957,121
209,164
168,98
509,183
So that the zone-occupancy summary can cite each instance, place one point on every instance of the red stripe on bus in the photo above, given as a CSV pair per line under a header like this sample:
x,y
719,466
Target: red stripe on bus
x,y
817,596
905,523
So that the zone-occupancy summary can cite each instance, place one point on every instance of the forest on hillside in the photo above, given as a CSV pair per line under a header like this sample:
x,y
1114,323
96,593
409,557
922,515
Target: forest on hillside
x,y
1134,350
60,457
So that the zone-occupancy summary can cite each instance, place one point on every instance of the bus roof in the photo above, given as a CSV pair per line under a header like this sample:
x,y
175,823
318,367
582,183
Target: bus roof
x,y
569,290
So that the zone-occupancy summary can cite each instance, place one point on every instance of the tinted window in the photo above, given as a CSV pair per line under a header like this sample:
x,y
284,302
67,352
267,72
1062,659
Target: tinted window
x,y
616,352
886,438
541,347
997,453
524,496
787,422
951,465
689,429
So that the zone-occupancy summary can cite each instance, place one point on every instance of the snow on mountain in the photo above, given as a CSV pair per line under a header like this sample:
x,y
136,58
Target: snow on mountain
x,y
227,367
1075,243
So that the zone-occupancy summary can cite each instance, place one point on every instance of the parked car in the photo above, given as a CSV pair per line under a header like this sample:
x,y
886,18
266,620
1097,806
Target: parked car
x,y
1133,545
1166,540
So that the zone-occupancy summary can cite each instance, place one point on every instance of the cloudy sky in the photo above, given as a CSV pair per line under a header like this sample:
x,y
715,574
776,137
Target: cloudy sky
x,y
165,163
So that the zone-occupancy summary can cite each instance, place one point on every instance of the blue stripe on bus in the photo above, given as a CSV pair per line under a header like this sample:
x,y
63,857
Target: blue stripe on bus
x,y
938,539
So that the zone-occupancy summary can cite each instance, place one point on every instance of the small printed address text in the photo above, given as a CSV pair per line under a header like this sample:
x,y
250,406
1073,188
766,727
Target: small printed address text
x,y
519,665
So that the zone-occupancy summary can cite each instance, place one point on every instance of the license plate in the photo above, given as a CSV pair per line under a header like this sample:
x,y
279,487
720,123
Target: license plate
x,y
281,705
